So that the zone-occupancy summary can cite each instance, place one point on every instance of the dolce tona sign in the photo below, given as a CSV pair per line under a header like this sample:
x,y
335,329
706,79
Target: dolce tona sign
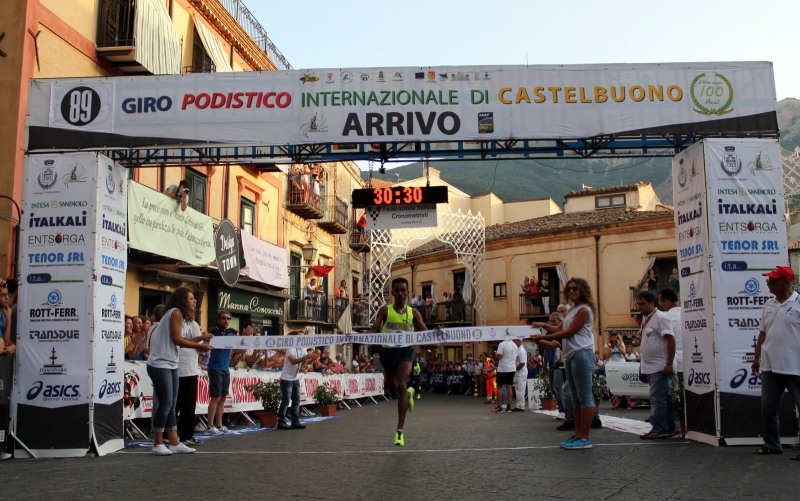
x,y
248,302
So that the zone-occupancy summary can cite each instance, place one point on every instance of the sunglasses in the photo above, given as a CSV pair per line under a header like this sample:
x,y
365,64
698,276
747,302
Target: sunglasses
x,y
572,289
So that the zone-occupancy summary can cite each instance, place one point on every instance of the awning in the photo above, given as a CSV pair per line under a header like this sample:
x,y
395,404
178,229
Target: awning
x,y
213,47
158,44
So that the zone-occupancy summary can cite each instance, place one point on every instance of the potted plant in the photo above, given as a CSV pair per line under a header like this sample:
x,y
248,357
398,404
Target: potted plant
x,y
326,397
269,393
599,389
546,396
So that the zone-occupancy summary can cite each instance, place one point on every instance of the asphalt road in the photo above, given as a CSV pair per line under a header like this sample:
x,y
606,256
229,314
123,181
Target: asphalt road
x,y
455,449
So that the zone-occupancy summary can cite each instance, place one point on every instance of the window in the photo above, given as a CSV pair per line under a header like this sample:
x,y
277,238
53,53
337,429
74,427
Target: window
x,y
500,290
201,61
197,192
609,201
458,282
248,216
294,276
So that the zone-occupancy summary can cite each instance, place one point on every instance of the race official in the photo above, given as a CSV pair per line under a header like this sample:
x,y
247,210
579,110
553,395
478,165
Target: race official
x,y
777,357
658,354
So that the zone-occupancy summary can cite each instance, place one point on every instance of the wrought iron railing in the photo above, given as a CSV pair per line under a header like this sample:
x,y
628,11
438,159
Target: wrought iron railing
x,y
248,22
304,189
536,307
311,307
340,211
360,308
115,23
207,67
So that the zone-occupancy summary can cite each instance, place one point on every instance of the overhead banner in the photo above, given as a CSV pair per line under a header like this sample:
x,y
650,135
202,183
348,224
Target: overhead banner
x,y
748,238
691,228
264,262
446,103
73,260
157,224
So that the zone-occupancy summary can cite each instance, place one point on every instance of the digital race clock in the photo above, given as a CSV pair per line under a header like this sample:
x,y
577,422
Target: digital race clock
x,y
399,195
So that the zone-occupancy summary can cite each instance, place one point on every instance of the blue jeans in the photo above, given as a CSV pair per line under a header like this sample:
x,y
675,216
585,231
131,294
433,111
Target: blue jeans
x,y
165,396
580,368
290,392
557,382
569,412
773,385
661,415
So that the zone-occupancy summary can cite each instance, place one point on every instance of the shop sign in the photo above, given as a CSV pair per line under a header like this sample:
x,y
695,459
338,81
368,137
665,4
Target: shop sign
x,y
237,301
226,248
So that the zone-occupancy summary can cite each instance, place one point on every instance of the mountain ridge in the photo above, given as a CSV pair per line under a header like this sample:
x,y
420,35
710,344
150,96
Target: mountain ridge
x,y
555,178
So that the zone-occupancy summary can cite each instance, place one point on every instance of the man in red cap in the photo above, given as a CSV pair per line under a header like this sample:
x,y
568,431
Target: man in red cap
x,y
777,357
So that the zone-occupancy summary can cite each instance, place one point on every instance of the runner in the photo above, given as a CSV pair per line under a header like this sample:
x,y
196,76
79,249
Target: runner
x,y
398,317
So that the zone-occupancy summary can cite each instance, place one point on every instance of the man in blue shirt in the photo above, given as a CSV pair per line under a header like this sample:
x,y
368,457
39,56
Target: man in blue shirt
x,y
219,377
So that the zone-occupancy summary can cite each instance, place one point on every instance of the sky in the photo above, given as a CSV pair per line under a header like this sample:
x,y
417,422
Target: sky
x,y
360,33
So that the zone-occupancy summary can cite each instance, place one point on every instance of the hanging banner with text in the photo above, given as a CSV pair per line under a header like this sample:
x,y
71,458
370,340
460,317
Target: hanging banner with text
x,y
407,104
264,262
158,225
435,336
691,228
748,238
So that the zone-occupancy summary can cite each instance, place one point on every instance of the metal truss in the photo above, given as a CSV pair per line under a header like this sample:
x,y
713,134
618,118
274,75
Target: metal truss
x,y
790,163
464,233
598,147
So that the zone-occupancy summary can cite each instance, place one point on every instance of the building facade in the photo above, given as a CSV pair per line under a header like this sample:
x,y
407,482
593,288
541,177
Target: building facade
x,y
116,38
612,248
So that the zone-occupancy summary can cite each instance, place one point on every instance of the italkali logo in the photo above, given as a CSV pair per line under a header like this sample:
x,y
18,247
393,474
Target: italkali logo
x,y
318,123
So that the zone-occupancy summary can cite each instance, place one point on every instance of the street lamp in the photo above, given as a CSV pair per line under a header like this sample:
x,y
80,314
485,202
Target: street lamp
x,y
309,255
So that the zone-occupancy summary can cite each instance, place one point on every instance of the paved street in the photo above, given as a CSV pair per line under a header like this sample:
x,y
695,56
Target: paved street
x,y
455,449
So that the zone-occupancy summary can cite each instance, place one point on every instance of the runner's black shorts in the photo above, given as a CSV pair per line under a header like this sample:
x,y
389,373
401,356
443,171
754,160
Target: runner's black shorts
x,y
392,357
504,378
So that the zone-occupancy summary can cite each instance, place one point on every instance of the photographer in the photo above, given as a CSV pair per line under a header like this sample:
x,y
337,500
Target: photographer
x,y
179,192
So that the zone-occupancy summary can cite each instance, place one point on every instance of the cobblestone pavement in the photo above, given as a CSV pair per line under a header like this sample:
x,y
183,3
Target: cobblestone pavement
x,y
455,449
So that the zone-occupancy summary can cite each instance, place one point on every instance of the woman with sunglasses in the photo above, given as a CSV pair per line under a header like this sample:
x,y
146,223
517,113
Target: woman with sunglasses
x,y
578,353
162,367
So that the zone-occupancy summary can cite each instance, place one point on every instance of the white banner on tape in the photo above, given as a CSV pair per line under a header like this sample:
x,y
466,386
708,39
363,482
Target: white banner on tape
x,y
435,336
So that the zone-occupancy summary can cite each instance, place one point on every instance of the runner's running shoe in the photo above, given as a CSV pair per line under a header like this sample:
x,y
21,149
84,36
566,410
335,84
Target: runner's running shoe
x,y
399,439
411,399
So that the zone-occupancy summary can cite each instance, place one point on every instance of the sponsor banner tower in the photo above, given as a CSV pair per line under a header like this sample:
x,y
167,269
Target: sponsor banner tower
x,y
72,278
731,228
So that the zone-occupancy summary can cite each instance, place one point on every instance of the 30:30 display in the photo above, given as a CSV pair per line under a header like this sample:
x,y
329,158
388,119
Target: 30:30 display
x,y
386,196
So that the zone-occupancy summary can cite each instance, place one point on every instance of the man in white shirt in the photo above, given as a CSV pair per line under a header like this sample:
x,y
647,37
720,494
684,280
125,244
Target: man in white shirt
x,y
657,352
290,386
777,357
506,355
520,376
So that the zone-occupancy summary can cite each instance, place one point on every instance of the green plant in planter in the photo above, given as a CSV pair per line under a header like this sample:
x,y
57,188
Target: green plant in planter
x,y
325,394
599,388
269,393
542,384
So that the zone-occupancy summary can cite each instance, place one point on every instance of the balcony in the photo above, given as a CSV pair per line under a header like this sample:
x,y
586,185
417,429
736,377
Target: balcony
x,y
306,196
207,67
257,33
448,314
359,236
360,320
335,220
138,37
535,310
311,308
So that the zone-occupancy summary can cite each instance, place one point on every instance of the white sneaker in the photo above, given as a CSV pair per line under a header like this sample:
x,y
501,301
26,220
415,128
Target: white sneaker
x,y
223,430
161,450
561,416
213,430
181,449
4,456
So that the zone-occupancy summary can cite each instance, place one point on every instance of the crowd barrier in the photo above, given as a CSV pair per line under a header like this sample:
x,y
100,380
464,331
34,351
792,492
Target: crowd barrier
x,y
350,386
